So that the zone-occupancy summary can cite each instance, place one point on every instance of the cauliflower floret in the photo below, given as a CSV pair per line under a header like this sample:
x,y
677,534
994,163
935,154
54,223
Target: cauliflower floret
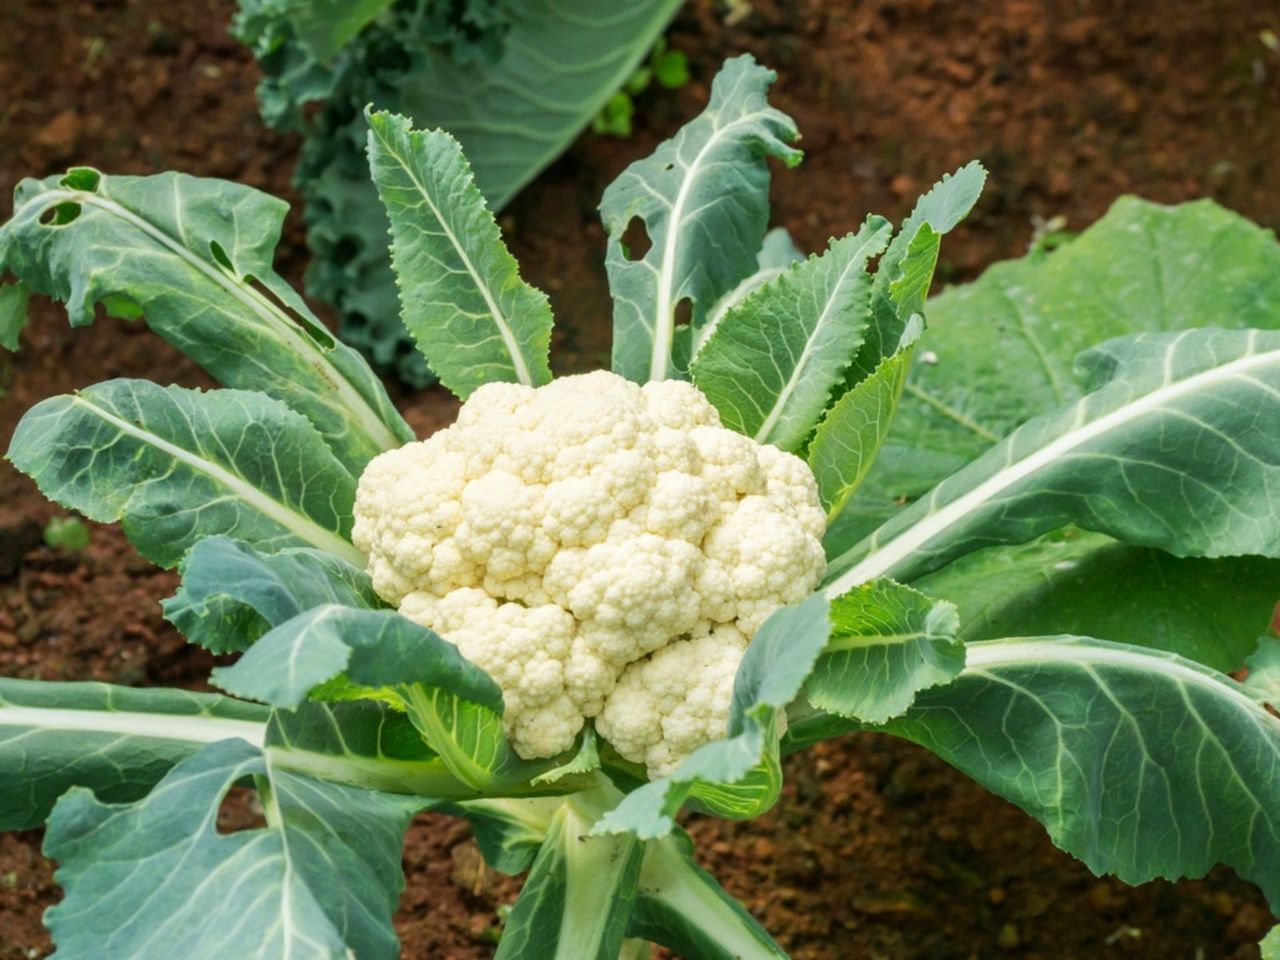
x,y
669,704
601,549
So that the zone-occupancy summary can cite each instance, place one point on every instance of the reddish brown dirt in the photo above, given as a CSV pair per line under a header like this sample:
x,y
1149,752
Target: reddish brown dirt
x,y
877,849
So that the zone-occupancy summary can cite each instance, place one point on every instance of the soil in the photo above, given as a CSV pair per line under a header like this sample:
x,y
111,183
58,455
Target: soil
x,y
877,849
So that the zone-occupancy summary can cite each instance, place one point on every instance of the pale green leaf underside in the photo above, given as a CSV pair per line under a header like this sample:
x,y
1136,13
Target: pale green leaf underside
x,y
231,593
264,893
703,197
175,465
846,443
774,358
1001,349
1176,449
461,294
740,776
185,252
682,907
1271,945
1140,763
888,642
578,896
1210,611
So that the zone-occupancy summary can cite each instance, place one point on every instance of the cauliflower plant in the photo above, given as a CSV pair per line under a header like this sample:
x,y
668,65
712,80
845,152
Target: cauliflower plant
x,y
601,549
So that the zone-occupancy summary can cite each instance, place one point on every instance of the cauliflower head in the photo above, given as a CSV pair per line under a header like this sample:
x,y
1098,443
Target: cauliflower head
x,y
602,549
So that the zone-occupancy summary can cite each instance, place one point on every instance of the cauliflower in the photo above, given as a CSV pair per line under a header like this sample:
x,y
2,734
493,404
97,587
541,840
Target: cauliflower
x,y
603,550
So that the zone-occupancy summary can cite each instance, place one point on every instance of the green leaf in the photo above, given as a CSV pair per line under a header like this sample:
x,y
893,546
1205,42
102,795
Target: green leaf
x,y
1142,267
461,294
1264,671
1181,425
231,594
906,269
578,896
584,760
682,907
117,741
13,313
454,704
703,198
738,777
194,257
175,465
1210,611
851,433
1138,762
888,642
261,893
770,366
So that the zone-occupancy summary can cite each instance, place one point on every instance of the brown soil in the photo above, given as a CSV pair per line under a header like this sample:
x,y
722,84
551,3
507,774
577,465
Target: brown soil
x,y
877,849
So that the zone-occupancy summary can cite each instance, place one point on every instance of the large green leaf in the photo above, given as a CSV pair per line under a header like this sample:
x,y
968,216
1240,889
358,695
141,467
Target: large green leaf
x,y
155,877
1211,611
773,360
175,465
231,593
851,434
461,294
1000,350
116,740
888,642
1138,762
454,704
740,776
682,907
1176,449
777,253
703,199
194,257
578,897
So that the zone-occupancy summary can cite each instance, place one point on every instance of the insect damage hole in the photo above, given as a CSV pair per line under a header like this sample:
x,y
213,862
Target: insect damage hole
x,y
60,214
240,810
635,240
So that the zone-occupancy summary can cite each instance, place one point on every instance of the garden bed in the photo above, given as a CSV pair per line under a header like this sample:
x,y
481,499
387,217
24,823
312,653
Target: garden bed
x,y
877,848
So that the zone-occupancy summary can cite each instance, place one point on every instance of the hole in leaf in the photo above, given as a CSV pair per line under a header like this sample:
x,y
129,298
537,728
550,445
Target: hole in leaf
x,y
240,810
310,326
81,178
684,313
220,257
635,240
60,214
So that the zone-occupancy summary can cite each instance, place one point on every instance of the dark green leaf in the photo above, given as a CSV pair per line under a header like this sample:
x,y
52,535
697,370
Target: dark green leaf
x,y
175,465
116,741
155,878
1089,585
231,594
193,255
1138,762
1180,425
1000,350
13,313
